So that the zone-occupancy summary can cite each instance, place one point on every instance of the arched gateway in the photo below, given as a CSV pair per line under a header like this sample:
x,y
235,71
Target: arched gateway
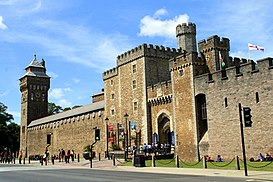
x,y
164,133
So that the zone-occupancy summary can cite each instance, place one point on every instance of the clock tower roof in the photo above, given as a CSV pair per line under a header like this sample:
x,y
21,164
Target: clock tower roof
x,y
36,68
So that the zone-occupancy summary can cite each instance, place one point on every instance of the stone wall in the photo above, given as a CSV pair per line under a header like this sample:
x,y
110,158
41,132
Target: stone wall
x,y
73,133
223,96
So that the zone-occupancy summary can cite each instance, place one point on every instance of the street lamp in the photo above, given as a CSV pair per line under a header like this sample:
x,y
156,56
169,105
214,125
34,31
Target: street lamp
x,y
126,129
107,137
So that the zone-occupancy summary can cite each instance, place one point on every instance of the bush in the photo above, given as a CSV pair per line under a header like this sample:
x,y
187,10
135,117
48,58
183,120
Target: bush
x,y
115,147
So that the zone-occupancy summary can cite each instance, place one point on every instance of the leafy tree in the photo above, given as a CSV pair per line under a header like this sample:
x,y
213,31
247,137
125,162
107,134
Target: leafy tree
x,y
53,108
74,107
66,109
9,131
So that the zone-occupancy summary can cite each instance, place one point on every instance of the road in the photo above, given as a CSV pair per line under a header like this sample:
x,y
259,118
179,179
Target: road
x,y
15,173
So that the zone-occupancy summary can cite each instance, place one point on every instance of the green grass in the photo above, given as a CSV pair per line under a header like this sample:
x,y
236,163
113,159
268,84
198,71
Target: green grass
x,y
255,166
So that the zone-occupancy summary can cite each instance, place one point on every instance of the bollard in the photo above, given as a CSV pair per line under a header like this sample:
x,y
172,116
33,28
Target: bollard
x,y
29,160
204,163
99,156
41,161
52,159
177,161
20,160
13,160
114,160
24,161
78,157
46,161
153,160
237,163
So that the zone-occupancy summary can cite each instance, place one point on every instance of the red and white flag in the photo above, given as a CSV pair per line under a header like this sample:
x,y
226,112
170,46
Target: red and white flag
x,y
254,47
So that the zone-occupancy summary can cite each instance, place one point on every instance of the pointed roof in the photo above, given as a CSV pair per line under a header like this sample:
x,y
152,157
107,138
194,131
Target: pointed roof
x,y
36,68
35,63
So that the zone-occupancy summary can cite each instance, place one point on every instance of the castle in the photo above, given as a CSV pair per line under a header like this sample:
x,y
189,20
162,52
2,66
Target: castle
x,y
183,97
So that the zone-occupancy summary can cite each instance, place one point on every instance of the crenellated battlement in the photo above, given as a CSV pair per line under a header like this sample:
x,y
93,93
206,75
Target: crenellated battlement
x,y
147,50
241,68
110,73
159,90
185,28
214,42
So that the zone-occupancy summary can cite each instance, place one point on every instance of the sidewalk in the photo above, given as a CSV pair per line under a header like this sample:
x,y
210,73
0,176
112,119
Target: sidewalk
x,y
108,165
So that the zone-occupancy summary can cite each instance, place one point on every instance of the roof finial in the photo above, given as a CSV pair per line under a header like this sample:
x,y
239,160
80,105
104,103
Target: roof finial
x,y
34,55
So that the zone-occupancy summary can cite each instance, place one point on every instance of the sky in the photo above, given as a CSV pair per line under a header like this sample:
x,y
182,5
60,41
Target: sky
x,y
80,39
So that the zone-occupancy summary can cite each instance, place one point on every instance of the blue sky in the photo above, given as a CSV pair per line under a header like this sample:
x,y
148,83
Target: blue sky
x,y
79,39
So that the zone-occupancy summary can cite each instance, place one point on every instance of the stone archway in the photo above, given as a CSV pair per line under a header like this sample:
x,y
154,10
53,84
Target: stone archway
x,y
164,133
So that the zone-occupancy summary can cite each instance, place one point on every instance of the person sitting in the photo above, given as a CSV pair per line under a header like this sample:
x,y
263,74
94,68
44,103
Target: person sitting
x,y
268,157
208,159
260,157
219,159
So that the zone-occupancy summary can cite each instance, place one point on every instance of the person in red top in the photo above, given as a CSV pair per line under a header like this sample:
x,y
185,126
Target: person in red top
x,y
20,156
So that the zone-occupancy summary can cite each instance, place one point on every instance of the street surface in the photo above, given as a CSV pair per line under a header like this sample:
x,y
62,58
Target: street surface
x,y
15,173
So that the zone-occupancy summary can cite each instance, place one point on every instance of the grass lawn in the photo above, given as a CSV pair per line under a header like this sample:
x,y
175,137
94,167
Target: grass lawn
x,y
255,166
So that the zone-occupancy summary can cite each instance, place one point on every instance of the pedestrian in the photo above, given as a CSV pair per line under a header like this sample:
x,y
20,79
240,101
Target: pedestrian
x,y
20,156
63,154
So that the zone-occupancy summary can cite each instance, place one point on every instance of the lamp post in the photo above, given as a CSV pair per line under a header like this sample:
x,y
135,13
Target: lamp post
x,y
107,137
126,145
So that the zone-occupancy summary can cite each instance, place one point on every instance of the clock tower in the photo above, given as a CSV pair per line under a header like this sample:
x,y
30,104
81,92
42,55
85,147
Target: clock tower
x,y
34,86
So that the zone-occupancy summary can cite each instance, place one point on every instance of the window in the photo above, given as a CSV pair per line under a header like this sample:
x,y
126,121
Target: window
x,y
135,106
134,84
257,97
181,73
226,104
112,96
112,112
204,111
111,82
48,139
43,97
31,96
134,68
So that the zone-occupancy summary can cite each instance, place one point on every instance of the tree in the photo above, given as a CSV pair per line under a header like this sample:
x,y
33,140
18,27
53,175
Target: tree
x,y
9,131
53,108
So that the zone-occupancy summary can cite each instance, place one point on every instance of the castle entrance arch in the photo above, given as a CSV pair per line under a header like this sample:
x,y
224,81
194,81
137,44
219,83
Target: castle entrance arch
x,y
164,132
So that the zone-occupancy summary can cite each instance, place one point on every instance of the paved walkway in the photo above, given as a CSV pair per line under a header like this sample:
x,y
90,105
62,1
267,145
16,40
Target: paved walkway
x,y
108,165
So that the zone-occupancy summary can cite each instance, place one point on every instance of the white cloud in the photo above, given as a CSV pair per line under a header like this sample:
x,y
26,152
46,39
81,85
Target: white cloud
x,y
64,103
52,74
78,44
154,26
58,93
75,80
4,93
2,25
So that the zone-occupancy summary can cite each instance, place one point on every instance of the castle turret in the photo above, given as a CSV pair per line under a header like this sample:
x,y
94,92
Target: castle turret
x,y
186,37
211,49
34,87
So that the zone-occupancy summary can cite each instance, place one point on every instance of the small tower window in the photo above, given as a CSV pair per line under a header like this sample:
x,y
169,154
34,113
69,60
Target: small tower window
x,y
134,84
135,106
111,82
134,68
181,73
112,96
226,103
112,112
257,97
31,96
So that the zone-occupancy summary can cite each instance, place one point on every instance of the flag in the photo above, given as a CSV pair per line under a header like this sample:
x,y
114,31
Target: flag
x,y
254,47
221,60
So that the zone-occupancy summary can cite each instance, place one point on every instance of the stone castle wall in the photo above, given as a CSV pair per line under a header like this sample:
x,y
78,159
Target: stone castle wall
x,y
223,94
73,133
142,66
